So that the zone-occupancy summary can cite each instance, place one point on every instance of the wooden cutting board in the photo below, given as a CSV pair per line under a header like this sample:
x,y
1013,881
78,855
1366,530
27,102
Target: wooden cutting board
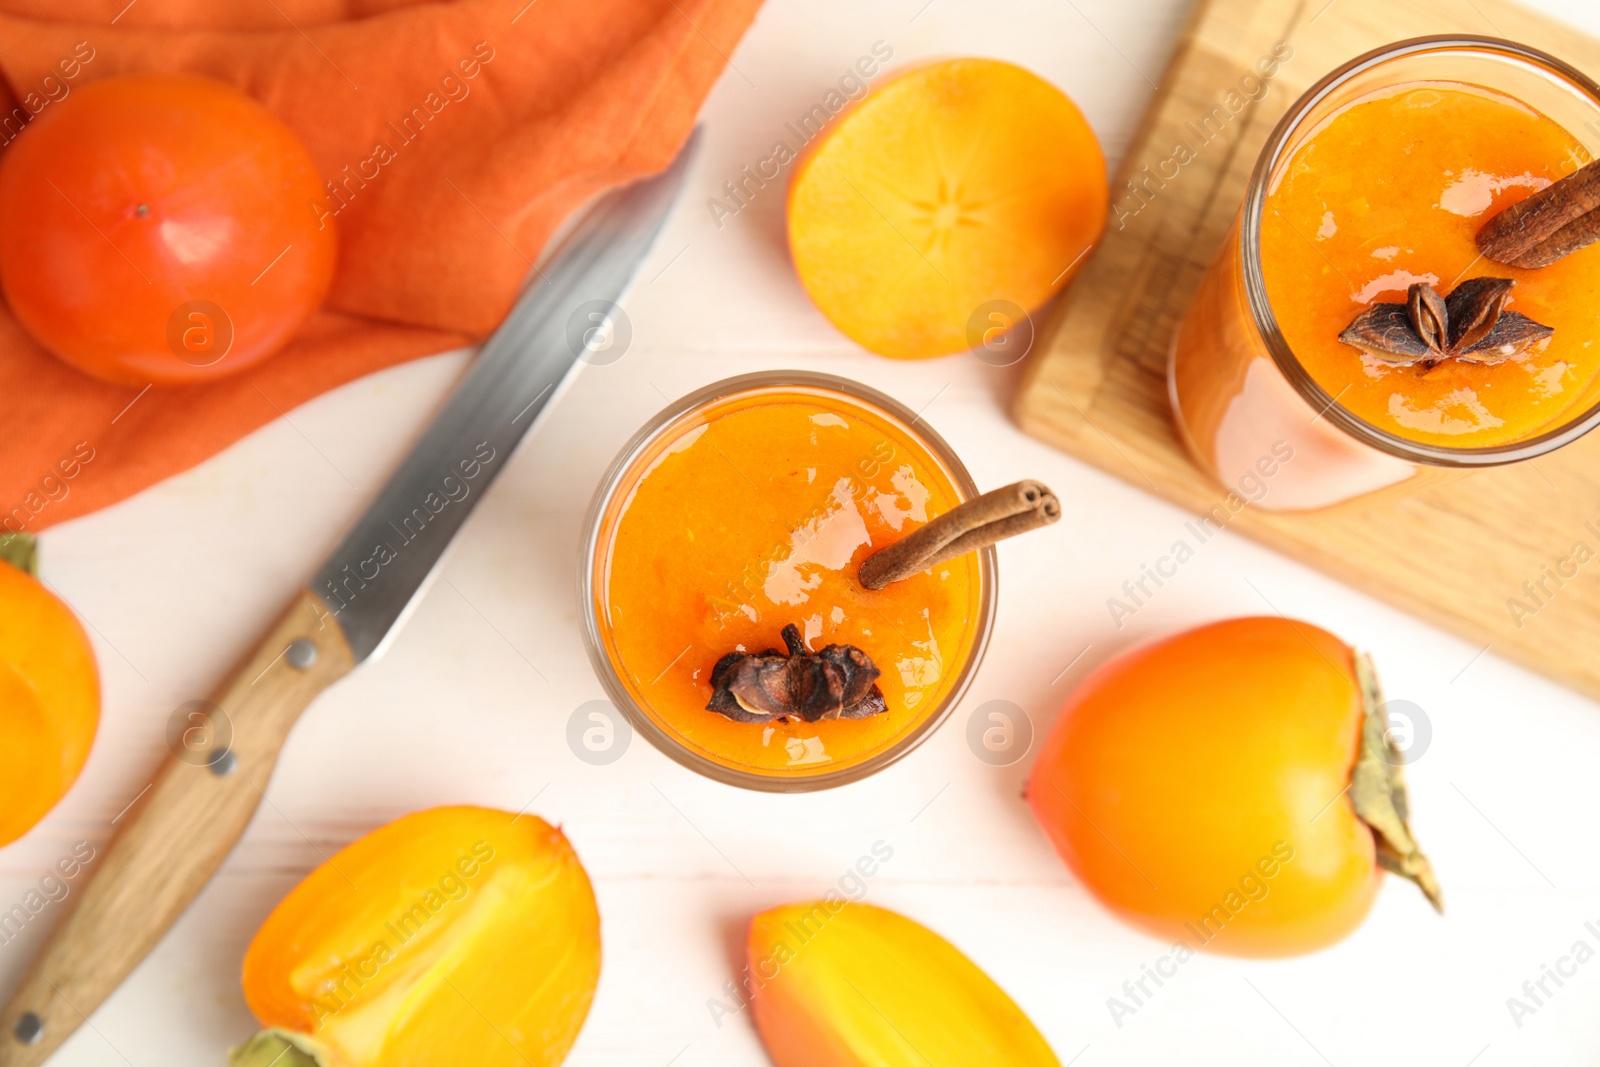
x,y
1456,552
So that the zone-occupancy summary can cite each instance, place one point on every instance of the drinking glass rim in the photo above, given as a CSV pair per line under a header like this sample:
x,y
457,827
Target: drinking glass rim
x,y
1266,322
589,544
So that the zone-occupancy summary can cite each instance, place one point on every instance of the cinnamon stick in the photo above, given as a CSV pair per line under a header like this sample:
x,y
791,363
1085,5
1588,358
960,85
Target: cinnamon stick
x,y
1554,222
979,522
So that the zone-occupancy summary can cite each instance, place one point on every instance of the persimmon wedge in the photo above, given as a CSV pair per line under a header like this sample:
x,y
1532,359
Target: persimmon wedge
x,y
845,984
950,194
453,935
49,700
1234,787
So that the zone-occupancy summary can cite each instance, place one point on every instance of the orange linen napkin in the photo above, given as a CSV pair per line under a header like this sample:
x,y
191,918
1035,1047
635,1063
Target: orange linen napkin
x,y
499,117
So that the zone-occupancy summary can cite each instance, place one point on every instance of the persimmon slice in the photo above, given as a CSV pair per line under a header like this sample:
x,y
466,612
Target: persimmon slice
x,y
954,187
49,700
455,935
841,983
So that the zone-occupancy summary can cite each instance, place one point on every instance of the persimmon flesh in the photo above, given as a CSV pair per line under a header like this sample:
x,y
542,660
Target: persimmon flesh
x,y
452,935
49,700
1201,788
848,984
159,228
950,193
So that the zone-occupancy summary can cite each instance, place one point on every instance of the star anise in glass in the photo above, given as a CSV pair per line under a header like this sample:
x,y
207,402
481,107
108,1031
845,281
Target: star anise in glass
x,y
839,682
1471,325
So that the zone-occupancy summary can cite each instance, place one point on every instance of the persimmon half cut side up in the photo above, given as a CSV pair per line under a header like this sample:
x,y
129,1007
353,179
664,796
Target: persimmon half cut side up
x,y
953,192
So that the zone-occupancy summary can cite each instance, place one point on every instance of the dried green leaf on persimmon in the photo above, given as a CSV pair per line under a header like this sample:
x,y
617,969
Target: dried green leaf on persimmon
x,y
21,550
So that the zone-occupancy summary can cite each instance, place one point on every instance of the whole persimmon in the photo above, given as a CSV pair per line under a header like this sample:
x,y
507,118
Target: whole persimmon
x,y
1234,788
159,228
49,700
941,209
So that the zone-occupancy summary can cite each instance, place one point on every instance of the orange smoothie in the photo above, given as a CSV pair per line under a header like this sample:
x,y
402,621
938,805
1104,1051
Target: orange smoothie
x,y
1390,191
753,514
1349,338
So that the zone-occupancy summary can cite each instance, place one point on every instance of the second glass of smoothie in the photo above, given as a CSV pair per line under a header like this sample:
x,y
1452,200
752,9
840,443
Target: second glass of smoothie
x,y
1377,180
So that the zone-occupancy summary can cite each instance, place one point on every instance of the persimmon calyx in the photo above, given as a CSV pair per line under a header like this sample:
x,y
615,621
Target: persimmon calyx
x,y
20,550
1378,791
281,1048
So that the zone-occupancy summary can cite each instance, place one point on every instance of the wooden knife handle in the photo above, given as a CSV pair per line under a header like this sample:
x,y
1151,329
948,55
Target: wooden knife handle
x,y
174,837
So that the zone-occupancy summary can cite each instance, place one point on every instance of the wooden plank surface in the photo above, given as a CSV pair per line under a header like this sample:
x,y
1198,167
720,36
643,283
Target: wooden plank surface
x,y
1457,551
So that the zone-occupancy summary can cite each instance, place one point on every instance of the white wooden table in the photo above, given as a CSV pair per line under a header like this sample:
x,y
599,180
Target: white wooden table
x,y
472,702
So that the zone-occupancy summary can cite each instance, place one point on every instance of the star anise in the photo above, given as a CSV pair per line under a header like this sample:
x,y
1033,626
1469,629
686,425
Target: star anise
x,y
840,682
1471,325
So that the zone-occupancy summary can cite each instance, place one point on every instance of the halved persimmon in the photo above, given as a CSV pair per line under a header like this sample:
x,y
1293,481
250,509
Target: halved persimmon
x,y
945,204
1235,788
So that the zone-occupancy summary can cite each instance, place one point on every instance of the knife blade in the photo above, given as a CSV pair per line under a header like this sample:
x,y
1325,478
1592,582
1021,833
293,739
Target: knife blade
x,y
175,836
378,571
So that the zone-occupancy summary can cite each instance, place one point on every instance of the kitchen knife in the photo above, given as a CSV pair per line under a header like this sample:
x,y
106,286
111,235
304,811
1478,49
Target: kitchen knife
x,y
184,825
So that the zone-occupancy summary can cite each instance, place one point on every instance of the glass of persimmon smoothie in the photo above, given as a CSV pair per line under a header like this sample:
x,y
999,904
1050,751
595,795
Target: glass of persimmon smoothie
x,y
727,536
1371,314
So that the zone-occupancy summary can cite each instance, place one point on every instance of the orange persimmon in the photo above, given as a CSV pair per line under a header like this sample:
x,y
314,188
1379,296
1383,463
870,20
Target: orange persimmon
x,y
948,201
159,227
453,935
49,700
1234,788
